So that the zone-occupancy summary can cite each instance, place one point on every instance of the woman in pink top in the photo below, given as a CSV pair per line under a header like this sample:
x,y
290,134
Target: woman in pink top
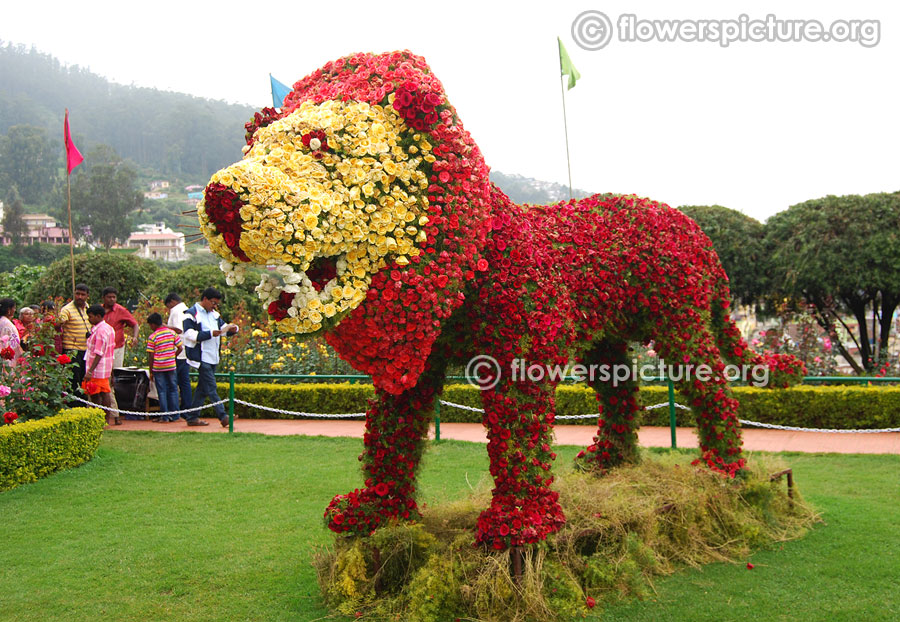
x,y
10,344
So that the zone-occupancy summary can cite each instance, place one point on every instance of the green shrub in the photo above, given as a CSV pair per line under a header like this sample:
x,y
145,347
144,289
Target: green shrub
x,y
127,273
35,449
838,407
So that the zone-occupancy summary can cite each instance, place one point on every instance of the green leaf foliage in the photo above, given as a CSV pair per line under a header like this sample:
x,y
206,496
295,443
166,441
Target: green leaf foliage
x,y
18,283
128,274
104,195
841,254
28,161
738,240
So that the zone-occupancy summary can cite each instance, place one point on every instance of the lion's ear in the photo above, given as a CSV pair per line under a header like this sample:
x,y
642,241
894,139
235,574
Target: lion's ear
x,y
420,107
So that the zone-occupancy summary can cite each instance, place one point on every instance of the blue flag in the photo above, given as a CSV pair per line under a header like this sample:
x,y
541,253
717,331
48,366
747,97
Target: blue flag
x,y
279,92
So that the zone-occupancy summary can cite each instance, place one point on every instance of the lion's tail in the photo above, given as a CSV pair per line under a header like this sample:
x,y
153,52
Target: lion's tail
x,y
769,369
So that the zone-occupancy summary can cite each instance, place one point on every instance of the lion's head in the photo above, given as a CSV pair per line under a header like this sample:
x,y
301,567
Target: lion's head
x,y
368,202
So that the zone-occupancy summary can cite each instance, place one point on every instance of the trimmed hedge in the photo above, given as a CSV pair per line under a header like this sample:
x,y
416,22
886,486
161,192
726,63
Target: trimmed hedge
x,y
839,407
37,448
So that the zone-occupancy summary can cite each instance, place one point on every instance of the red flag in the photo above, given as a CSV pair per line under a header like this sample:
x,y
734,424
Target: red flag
x,y
73,156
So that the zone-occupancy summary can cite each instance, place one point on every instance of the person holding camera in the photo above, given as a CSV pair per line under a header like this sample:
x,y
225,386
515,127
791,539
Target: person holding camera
x,y
203,330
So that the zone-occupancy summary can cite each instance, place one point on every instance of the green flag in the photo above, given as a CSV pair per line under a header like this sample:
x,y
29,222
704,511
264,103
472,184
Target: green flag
x,y
566,67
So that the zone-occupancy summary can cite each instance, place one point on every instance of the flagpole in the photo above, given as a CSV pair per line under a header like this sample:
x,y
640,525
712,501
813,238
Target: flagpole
x,y
69,208
71,241
566,129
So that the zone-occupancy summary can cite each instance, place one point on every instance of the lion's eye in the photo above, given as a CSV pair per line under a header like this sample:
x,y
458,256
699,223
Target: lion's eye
x,y
317,142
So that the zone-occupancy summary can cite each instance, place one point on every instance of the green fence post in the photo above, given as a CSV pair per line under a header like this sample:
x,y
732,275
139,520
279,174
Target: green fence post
x,y
672,411
231,402
437,419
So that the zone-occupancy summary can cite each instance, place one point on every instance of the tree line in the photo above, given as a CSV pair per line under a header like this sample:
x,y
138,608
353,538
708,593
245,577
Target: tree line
x,y
837,256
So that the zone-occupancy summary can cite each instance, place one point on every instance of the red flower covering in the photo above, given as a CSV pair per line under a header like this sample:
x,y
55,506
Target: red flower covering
x,y
223,209
263,118
573,281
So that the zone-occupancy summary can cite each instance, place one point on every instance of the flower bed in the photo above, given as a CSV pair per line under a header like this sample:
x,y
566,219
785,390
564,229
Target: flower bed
x,y
35,449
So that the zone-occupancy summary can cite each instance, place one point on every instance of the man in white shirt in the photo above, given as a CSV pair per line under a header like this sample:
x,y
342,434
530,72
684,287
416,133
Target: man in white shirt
x,y
203,328
182,370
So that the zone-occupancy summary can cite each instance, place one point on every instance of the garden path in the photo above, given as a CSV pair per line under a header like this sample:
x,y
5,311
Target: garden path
x,y
754,439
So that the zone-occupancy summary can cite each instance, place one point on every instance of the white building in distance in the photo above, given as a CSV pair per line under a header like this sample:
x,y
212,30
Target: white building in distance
x,y
157,241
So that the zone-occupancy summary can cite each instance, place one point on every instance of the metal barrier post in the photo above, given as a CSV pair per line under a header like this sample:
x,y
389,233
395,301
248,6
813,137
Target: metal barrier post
x,y
437,419
231,402
672,411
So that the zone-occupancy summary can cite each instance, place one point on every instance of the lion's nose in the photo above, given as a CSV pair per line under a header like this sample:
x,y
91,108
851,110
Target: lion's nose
x,y
223,208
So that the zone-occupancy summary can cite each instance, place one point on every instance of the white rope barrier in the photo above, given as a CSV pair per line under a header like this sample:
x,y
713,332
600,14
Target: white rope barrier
x,y
757,424
141,413
295,413
789,428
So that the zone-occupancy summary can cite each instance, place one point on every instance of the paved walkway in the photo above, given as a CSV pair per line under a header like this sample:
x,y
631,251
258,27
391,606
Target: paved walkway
x,y
754,439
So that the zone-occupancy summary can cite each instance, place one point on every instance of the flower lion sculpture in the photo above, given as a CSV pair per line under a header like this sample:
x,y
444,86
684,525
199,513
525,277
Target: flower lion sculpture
x,y
374,206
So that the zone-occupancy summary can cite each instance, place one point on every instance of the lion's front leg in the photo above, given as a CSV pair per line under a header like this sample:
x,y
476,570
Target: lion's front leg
x,y
396,431
519,418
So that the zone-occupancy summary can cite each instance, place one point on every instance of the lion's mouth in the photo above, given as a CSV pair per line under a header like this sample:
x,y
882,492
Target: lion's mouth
x,y
321,271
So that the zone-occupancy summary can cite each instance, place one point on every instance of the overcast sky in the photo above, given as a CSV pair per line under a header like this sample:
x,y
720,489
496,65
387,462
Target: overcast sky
x,y
753,126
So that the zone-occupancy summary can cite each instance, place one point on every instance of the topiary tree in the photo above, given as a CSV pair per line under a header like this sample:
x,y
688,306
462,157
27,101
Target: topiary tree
x,y
130,275
738,241
842,254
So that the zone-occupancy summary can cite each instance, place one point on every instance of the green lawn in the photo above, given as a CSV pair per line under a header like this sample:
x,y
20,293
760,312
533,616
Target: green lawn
x,y
180,527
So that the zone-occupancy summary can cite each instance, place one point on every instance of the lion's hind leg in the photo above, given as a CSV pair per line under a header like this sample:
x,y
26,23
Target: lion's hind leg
x,y
611,376
695,365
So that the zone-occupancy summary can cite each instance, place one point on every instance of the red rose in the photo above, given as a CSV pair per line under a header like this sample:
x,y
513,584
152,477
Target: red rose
x,y
381,489
7,353
9,417
63,359
590,602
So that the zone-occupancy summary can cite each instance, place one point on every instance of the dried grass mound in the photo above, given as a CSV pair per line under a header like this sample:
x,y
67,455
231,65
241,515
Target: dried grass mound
x,y
621,531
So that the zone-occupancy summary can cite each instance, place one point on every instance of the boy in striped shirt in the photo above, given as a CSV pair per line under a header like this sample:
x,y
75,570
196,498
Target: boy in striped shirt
x,y
163,345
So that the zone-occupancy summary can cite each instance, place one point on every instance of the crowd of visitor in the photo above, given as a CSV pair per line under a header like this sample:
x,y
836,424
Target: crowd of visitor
x,y
95,338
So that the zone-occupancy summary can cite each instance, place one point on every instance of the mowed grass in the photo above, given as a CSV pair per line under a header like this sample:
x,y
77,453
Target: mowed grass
x,y
190,527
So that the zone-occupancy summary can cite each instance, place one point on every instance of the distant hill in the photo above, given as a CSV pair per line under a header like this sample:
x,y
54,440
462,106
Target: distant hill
x,y
527,190
169,133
